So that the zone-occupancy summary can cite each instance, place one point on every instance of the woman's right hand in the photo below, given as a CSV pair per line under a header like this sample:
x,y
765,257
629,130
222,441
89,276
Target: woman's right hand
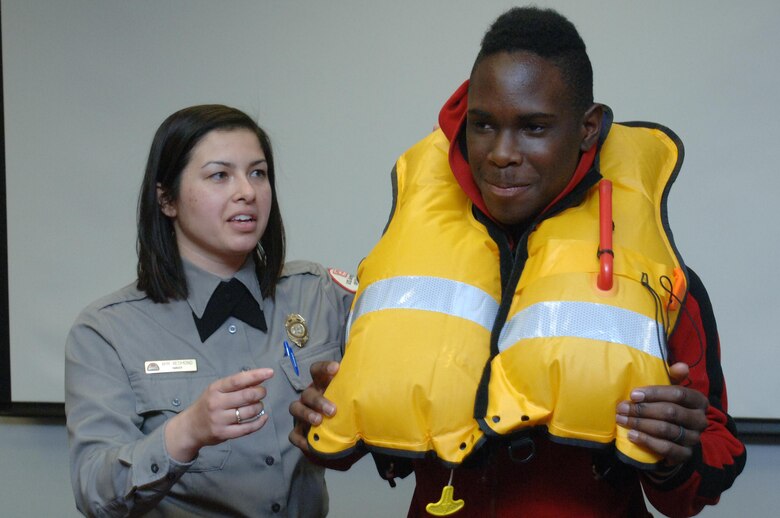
x,y
309,409
230,407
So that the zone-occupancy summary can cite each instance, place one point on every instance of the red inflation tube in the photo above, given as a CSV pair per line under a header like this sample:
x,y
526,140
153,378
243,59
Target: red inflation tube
x,y
605,254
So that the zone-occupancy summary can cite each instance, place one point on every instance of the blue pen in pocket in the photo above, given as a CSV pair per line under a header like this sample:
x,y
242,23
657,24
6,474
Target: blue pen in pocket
x,y
288,351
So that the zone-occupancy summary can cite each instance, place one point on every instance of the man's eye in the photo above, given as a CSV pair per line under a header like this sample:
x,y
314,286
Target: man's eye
x,y
481,125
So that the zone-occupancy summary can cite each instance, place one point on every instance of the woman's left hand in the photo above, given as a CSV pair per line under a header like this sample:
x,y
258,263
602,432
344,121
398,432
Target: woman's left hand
x,y
229,407
666,419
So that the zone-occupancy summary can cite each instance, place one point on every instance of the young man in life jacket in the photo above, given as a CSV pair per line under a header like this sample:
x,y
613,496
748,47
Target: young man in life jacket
x,y
527,147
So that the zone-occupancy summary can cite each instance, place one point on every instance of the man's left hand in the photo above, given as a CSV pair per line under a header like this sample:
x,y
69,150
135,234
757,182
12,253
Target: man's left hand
x,y
667,420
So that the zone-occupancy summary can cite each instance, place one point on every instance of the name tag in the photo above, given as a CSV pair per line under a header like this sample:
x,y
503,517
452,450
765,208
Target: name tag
x,y
160,366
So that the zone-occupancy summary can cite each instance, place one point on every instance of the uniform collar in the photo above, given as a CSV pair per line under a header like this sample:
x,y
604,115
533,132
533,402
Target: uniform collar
x,y
201,284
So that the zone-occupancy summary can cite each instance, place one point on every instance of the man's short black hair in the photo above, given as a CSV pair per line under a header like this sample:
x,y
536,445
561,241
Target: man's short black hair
x,y
550,35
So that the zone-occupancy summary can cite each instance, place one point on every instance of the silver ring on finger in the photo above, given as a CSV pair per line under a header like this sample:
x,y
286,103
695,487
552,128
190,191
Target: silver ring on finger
x,y
238,417
260,414
680,436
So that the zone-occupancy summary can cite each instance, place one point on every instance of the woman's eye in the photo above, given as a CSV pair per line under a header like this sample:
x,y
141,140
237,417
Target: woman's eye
x,y
260,173
219,175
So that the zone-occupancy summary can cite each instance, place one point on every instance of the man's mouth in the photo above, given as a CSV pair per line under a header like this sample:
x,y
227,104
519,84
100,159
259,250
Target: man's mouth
x,y
507,189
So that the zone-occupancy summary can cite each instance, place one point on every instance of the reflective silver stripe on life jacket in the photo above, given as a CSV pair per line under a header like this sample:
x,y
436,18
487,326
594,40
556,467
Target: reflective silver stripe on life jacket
x,y
446,296
585,320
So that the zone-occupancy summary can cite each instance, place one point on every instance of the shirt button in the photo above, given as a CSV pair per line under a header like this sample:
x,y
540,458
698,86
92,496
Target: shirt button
x,y
176,402
155,468
269,461
232,329
276,508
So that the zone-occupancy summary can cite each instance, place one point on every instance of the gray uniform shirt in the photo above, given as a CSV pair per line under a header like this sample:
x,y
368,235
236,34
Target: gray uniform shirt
x,y
116,409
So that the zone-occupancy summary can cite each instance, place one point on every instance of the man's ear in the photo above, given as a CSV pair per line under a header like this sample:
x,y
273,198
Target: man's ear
x,y
167,206
591,126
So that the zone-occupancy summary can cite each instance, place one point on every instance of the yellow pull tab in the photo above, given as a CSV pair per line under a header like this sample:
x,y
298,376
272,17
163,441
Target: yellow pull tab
x,y
446,505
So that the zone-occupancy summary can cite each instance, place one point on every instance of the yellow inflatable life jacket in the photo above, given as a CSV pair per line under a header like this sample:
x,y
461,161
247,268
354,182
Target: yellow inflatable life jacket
x,y
569,352
425,315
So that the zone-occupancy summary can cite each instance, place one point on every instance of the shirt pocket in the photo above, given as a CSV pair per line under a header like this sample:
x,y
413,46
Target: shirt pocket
x,y
160,397
305,357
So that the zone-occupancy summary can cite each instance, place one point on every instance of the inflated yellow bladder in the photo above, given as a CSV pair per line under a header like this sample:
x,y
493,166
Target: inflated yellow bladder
x,y
438,355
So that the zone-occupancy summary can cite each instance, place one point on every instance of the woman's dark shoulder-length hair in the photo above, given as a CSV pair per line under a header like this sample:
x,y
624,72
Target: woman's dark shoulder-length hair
x,y
160,271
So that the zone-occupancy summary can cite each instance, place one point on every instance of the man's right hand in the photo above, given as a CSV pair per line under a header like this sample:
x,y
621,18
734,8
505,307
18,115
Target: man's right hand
x,y
309,409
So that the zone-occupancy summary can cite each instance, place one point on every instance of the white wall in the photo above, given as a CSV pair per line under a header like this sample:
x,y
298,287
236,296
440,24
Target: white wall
x,y
344,87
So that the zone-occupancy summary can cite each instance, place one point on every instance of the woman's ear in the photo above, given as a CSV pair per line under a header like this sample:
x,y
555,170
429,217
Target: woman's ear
x,y
167,206
591,126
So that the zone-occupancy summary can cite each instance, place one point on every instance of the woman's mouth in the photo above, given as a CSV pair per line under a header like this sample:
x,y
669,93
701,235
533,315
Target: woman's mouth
x,y
243,222
242,218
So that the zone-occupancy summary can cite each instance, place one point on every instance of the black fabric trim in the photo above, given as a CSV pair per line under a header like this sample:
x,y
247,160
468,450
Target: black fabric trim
x,y
642,466
714,371
394,185
606,124
505,270
576,196
685,473
715,480
499,236
361,446
481,399
667,188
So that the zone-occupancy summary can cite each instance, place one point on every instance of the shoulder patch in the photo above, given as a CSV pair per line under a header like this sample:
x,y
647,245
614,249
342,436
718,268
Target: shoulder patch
x,y
345,280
